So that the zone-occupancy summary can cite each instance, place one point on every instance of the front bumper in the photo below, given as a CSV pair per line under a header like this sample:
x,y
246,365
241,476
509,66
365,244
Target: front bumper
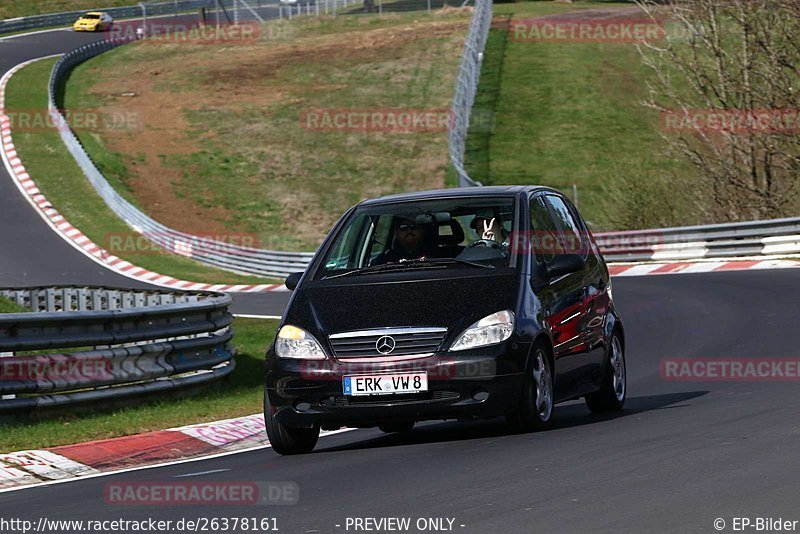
x,y
460,386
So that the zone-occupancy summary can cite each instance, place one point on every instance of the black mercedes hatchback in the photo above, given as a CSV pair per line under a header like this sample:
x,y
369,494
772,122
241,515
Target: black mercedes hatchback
x,y
452,304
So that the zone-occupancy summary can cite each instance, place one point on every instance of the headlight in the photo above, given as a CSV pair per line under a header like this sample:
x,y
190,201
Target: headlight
x,y
293,342
490,330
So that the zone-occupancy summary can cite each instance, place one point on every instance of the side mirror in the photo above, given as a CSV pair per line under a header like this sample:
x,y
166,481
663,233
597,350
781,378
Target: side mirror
x,y
292,280
564,264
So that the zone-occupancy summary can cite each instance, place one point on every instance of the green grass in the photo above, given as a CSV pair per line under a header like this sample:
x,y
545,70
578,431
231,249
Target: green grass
x,y
569,113
8,306
248,152
60,179
237,395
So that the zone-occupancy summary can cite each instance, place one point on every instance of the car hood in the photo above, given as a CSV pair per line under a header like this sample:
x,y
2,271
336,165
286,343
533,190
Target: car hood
x,y
329,307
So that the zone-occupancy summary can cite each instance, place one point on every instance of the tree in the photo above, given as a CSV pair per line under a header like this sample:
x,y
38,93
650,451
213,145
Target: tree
x,y
726,80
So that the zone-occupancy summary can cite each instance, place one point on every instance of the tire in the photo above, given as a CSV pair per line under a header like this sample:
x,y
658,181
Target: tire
x,y
397,428
287,440
611,396
536,406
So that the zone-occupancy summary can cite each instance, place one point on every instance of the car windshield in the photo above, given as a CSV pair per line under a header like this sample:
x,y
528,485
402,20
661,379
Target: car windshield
x,y
91,16
457,231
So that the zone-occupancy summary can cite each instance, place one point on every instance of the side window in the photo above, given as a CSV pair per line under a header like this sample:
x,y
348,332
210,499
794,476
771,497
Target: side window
x,y
381,240
345,254
569,230
544,233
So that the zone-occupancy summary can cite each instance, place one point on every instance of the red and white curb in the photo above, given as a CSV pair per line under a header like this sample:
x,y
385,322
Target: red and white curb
x,y
75,237
687,267
152,449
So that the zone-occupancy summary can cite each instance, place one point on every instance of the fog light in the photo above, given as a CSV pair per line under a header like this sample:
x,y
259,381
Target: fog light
x,y
302,406
480,395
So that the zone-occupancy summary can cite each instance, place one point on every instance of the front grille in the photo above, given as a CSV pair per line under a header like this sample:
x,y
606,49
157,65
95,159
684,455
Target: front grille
x,y
407,341
382,400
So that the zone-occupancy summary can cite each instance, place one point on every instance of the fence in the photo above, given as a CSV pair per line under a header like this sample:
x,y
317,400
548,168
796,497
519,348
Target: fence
x,y
68,17
138,342
469,72
353,7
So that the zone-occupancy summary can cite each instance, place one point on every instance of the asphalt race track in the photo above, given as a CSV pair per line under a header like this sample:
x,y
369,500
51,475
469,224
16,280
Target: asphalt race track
x,y
32,254
679,456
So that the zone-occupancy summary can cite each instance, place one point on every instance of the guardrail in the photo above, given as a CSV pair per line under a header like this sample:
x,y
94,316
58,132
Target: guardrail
x,y
139,342
755,238
469,72
236,258
240,259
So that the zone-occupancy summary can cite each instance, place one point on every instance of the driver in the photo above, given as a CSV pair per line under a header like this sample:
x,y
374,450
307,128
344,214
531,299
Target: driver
x,y
410,238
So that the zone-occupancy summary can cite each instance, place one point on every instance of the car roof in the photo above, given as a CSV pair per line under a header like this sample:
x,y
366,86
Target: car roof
x,y
94,13
494,190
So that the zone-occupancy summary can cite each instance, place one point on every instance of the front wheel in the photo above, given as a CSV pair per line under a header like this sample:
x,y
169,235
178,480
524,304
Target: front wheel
x,y
536,408
287,440
611,396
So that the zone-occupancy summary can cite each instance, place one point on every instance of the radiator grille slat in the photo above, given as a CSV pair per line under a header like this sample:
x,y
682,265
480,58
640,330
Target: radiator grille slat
x,y
407,341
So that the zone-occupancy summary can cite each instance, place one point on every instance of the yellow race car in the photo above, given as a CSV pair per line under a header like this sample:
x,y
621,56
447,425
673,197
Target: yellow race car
x,y
95,21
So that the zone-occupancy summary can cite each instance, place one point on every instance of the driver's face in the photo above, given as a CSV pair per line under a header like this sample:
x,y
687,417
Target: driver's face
x,y
409,234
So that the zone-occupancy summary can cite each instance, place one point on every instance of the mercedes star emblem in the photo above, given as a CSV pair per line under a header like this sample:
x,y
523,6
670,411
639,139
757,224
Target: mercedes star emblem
x,y
385,344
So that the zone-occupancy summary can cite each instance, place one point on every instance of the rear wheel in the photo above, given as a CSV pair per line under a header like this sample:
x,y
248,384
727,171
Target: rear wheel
x,y
536,407
287,440
611,397
397,428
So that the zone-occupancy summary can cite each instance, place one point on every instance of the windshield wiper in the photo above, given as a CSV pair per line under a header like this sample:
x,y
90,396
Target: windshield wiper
x,y
373,269
409,264
447,261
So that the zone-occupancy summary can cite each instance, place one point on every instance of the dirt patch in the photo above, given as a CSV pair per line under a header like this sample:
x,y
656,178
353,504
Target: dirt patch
x,y
153,183
222,148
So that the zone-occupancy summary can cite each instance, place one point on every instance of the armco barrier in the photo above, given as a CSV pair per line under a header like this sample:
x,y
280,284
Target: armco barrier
x,y
246,260
138,342
755,238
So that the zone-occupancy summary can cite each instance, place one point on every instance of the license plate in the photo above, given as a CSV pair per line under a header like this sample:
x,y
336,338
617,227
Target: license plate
x,y
385,384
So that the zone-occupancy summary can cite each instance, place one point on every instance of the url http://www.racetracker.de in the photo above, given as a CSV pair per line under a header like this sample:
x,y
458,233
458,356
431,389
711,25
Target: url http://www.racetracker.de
x,y
212,525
